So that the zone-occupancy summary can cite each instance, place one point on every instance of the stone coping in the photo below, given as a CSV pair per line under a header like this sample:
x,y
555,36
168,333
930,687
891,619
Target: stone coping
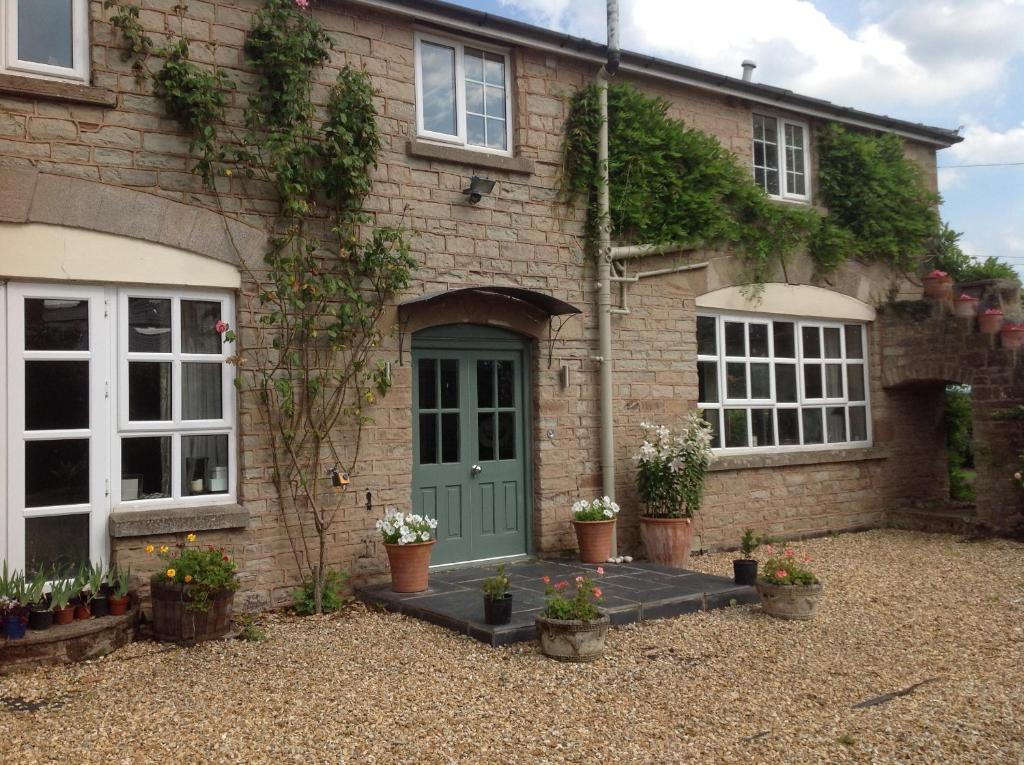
x,y
790,459
63,643
34,87
175,520
457,154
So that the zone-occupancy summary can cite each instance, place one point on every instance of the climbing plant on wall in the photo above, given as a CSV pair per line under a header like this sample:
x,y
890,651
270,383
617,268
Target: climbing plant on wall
x,y
326,279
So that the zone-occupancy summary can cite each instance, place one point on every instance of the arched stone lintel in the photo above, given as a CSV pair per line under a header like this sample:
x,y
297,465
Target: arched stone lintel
x,y
946,372
789,300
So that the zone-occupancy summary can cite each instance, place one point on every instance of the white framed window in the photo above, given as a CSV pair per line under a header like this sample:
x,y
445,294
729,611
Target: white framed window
x,y
45,38
781,155
463,94
772,383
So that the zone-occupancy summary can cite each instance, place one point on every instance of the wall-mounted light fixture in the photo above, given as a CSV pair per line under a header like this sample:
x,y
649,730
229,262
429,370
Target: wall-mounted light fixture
x,y
478,187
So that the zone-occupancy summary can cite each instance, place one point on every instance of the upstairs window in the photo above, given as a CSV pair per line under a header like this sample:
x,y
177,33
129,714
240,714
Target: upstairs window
x,y
780,158
462,94
45,38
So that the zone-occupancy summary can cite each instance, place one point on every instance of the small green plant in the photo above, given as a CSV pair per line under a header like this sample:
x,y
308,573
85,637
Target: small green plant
x,y
95,578
248,629
334,598
35,589
120,579
846,740
497,586
600,509
749,543
785,569
200,573
61,592
581,605
12,583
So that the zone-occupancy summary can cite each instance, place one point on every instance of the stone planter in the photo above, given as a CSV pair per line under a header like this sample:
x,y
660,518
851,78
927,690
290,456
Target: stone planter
x,y
174,622
667,540
572,640
594,539
989,323
938,287
790,601
410,566
1012,336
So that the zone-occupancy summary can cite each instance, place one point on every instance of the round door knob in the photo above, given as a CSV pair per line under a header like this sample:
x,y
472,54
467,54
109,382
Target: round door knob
x,y
475,470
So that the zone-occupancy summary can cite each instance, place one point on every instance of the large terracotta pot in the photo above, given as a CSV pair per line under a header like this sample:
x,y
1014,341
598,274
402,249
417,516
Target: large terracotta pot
x,y
966,307
594,539
667,540
1012,337
410,566
938,287
572,640
989,323
174,622
790,601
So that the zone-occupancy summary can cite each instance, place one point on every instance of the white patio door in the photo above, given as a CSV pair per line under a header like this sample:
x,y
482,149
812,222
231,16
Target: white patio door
x,y
58,437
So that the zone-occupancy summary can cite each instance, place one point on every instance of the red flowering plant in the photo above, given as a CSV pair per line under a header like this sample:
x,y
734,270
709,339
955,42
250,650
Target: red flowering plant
x,y
199,572
993,312
787,568
563,603
937,274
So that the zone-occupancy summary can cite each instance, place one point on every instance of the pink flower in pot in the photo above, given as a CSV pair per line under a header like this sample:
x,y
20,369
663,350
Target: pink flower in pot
x,y
966,306
1012,334
938,285
990,321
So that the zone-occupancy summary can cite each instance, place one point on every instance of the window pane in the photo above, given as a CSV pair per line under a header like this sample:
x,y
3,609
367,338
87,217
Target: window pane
x,y
758,339
713,416
473,61
450,437
56,325
854,342
836,417
428,439
204,466
734,345
201,391
707,382
772,176
785,383
145,467
485,384
763,427
760,381
507,436
496,134
706,345
199,326
789,427
475,134
506,384
858,423
834,380
812,343
474,97
427,383
735,427
783,335
812,381
494,69
449,383
149,391
56,395
485,435
855,376
149,325
736,380
813,431
495,102
57,472
56,541
833,348
438,86
45,32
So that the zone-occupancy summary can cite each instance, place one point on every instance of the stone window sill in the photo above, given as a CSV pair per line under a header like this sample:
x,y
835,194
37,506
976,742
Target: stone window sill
x,y
54,90
792,459
176,520
459,155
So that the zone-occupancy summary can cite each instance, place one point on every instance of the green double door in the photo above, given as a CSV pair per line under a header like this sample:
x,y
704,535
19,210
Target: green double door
x,y
469,432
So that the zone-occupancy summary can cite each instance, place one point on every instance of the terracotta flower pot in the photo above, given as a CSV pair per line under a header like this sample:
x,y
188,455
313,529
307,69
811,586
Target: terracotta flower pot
x,y
1012,337
790,601
667,540
966,307
594,539
64,615
989,323
938,287
118,606
82,612
572,640
410,566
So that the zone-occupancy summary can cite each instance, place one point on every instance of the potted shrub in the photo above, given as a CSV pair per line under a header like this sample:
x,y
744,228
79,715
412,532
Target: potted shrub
x,y
990,321
120,580
497,598
572,627
965,306
193,592
744,570
671,471
594,523
61,592
40,617
407,539
788,589
98,601
12,617
1011,334
938,285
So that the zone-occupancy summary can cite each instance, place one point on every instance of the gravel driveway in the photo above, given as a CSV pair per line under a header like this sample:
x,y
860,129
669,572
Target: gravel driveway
x,y
729,686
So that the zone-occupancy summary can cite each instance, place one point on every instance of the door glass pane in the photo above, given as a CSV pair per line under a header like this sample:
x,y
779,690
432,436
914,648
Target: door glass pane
x,y
760,381
507,435
45,32
735,427
855,376
204,464
57,472
199,326
427,384
833,348
438,86
734,345
834,380
858,423
53,324
56,395
813,431
836,417
706,341
783,338
450,437
149,325
201,391
812,380
485,435
785,383
506,384
758,337
485,384
854,342
145,467
428,439
789,427
57,541
449,383
736,380
707,382
812,343
149,391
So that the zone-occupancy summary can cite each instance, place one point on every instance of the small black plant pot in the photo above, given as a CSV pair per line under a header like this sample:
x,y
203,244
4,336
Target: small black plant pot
x,y
100,606
744,571
498,611
40,620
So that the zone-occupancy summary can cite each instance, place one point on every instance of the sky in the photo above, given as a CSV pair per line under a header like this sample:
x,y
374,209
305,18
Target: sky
x,y
953,64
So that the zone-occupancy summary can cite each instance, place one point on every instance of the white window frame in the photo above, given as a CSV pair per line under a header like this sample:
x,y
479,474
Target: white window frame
x,y
460,139
10,63
780,132
799,361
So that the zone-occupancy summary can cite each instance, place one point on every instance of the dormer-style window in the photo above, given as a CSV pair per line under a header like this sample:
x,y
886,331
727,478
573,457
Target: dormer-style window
x,y
463,94
781,164
45,38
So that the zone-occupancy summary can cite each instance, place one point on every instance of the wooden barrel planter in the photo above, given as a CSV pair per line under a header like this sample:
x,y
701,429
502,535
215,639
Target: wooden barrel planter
x,y
174,622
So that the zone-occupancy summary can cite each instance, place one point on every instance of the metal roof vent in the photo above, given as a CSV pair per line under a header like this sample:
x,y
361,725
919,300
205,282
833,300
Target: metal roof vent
x,y
748,69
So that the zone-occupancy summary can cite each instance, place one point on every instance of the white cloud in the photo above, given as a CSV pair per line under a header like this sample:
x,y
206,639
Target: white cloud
x,y
982,145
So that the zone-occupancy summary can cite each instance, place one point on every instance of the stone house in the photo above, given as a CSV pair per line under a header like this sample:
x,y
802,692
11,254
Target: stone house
x,y
121,423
